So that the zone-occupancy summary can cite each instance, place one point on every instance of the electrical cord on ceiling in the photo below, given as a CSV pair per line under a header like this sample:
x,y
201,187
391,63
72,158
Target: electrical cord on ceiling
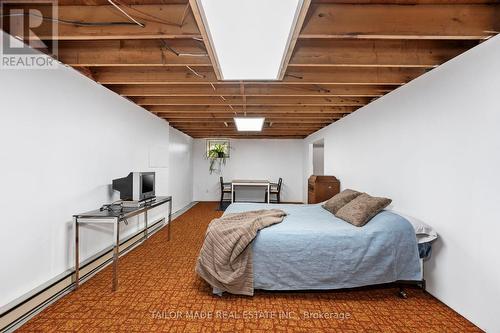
x,y
126,14
152,18
71,22
195,72
182,54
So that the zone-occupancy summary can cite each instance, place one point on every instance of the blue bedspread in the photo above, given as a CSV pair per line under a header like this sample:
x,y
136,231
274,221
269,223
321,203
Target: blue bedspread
x,y
313,249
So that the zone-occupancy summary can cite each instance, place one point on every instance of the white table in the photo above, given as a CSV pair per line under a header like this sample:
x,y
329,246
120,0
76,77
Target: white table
x,y
246,182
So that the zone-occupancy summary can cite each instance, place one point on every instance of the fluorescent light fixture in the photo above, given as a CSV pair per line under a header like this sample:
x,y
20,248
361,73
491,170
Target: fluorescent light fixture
x,y
249,124
250,37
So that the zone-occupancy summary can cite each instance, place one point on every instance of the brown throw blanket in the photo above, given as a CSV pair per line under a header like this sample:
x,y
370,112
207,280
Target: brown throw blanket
x,y
225,260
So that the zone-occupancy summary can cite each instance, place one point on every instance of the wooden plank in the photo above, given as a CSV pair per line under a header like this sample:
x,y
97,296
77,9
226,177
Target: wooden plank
x,y
244,136
325,20
367,53
205,32
251,90
265,131
272,109
377,53
294,75
160,22
153,52
260,100
277,128
401,22
275,125
200,117
400,2
397,2
129,2
229,120
352,75
248,135
297,27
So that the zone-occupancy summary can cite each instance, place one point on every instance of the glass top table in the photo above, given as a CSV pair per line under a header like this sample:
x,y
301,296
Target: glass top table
x,y
115,214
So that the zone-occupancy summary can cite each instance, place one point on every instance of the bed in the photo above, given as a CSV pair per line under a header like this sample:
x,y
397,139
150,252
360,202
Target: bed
x,y
314,250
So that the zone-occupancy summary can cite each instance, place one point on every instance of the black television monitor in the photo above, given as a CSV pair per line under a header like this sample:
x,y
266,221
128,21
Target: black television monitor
x,y
137,186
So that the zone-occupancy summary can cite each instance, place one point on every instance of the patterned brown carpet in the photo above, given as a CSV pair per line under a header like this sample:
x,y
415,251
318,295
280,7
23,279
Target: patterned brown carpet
x,y
159,291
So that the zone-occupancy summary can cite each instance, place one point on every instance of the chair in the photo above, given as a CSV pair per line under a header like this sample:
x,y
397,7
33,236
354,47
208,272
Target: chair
x,y
224,188
275,188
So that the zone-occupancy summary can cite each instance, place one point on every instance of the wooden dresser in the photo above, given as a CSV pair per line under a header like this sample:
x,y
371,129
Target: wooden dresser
x,y
321,188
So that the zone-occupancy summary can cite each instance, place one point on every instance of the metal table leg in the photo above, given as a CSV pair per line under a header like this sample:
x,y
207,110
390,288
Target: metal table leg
x,y
232,192
77,256
116,249
146,223
169,218
268,193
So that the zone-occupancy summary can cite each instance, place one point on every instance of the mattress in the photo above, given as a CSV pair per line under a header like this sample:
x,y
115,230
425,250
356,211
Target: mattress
x,y
312,249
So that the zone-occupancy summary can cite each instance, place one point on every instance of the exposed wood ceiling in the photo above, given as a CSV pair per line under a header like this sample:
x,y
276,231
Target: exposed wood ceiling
x,y
347,54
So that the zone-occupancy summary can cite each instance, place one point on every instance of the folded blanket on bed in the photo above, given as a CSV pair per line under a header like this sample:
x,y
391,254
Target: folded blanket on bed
x,y
225,259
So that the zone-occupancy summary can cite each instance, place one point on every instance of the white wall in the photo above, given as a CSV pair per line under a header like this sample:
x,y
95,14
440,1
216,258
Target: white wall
x,y
433,146
251,159
181,169
63,138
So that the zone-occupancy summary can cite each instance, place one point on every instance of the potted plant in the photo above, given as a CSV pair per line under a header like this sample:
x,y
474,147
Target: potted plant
x,y
217,156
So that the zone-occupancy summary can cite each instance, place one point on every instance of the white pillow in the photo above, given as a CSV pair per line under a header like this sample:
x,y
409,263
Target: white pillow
x,y
424,232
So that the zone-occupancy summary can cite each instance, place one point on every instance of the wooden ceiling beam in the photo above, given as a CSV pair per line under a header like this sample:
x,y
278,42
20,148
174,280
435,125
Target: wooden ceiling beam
x,y
271,109
324,20
282,120
130,52
130,2
377,53
265,131
368,2
275,128
336,53
248,136
269,116
260,100
250,90
245,136
390,2
165,21
294,75
393,21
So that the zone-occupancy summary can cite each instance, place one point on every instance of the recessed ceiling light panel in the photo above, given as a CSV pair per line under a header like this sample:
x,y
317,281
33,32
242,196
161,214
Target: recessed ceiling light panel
x,y
250,37
249,124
